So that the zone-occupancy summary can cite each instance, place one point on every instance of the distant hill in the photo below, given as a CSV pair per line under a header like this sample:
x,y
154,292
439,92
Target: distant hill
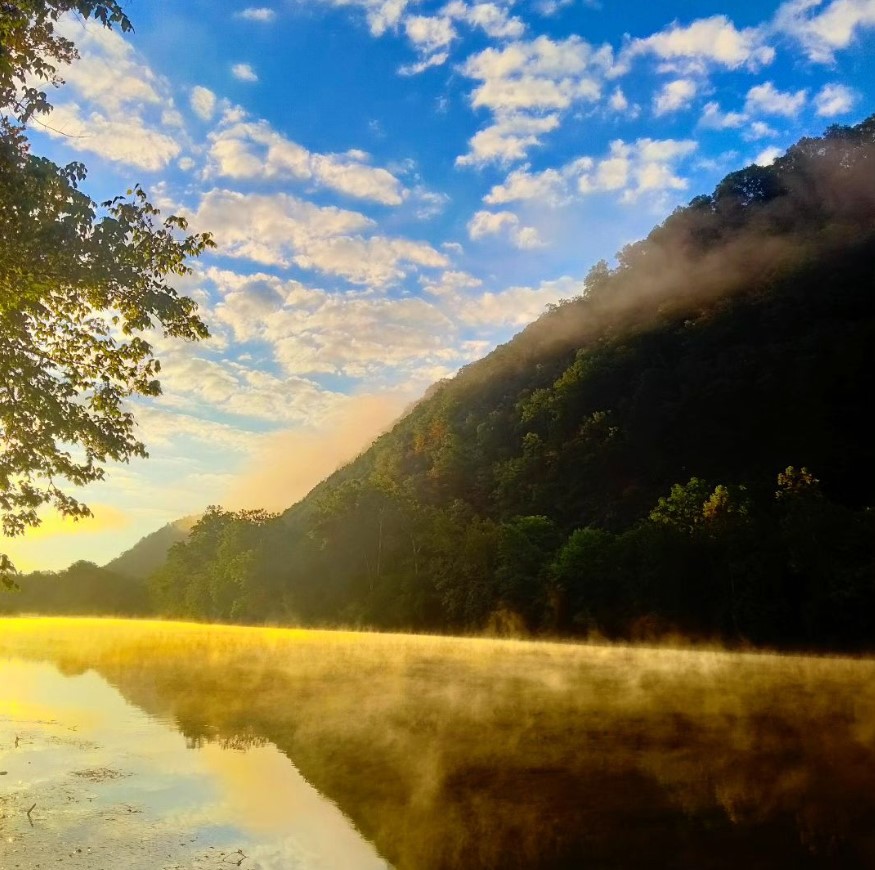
x,y
150,552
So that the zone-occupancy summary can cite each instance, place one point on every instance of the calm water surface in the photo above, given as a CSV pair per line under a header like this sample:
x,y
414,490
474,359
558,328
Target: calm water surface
x,y
115,787
161,746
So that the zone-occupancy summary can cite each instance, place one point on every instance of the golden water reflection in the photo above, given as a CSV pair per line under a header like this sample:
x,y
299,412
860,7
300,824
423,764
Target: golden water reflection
x,y
468,753
113,784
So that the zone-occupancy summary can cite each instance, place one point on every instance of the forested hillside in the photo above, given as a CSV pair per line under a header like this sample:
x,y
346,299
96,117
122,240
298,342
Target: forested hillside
x,y
684,447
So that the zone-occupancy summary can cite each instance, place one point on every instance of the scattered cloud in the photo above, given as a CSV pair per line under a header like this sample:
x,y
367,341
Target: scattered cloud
x,y
508,139
513,306
823,29
113,104
129,141
282,230
548,187
254,150
262,14
674,96
432,35
618,101
203,102
525,85
506,224
429,34
714,118
834,99
646,166
766,99
244,72
706,42
758,130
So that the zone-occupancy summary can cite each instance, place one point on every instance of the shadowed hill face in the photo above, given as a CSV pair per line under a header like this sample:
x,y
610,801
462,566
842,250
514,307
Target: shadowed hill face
x,y
735,341
762,231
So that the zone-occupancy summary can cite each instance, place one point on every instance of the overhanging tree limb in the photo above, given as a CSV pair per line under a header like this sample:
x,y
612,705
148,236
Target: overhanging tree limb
x,y
81,285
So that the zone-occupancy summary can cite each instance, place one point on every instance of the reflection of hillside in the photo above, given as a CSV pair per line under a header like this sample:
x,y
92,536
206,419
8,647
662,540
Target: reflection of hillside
x,y
465,753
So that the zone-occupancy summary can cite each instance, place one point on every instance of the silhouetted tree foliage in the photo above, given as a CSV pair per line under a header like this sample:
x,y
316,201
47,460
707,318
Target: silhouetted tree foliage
x,y
639,460
82,284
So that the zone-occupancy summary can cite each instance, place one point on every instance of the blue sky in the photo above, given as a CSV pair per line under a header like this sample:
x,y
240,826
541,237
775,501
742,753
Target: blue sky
x,y
397,187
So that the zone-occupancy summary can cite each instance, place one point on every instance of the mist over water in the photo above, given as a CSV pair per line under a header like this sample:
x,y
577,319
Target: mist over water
x,y
452,753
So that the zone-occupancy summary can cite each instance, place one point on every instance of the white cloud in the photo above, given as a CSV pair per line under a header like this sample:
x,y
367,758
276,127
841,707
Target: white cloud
x,y
109,72
376,261
203,102
548,187
257,13
313,331
525,85
486,223
646,166
834,99
768,100
618,101
508,139
120,109
503,223
256,150
244,72
429,34
540,74
674,96
714,118
124,140
758,130
282,230
824,29
382,15
271,229
764,99
713,41
489,17
768,156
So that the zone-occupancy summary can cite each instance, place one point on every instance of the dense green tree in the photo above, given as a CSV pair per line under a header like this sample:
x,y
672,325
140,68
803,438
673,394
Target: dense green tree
x,y
82,284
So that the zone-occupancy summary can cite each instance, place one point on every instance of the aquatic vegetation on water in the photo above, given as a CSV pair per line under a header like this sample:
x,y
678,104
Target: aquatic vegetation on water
x,y
470,753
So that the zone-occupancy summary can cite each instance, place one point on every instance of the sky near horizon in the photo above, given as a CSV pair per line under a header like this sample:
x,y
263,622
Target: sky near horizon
x,y
396,188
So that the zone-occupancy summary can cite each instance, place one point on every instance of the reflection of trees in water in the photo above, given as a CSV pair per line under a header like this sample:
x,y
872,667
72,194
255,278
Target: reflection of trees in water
x,y
530,756
198,731
751,789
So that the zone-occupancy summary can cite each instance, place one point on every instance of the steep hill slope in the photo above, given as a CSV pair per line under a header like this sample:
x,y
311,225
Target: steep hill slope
x,y
684,445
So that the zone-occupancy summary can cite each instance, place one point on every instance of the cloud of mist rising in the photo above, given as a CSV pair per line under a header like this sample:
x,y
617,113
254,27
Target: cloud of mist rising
x,y
696,257
289,464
